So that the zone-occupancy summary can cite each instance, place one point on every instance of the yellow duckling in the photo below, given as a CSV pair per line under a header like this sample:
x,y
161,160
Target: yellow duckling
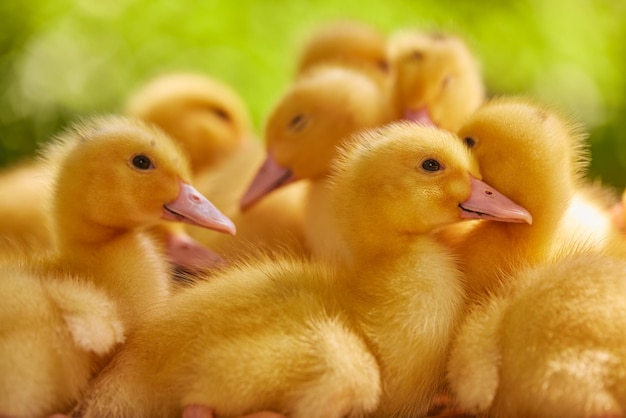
x,y
367,337
206,116
538,159
116,175
313,119
113,176
435,79
346,43
54,334
550,344
212,124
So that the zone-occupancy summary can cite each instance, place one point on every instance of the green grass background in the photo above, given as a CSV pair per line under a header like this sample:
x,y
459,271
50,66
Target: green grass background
x,y
62,59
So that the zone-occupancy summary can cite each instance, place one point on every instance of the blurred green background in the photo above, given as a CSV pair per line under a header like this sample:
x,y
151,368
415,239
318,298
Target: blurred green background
x,y
61,59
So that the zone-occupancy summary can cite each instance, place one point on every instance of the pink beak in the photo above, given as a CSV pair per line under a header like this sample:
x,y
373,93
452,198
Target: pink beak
x,y
485,202
270,176
193,208
421,116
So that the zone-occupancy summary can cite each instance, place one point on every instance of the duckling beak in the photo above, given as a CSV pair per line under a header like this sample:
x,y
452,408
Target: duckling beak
x,y
193,208
270,176
421,116
485,202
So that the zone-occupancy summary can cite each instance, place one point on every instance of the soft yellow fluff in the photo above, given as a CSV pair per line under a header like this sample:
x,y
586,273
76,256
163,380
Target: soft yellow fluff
x,y
347,43
536,157
434,78
365,337
205,115
550,344
55,333
65,307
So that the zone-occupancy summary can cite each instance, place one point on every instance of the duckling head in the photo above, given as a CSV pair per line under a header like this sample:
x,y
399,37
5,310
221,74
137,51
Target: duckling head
x,y
116,174
406,179
347,43
435,79
315,116
206,116
527,151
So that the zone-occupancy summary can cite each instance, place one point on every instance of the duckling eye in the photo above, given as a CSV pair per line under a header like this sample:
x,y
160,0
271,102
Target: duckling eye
x,y
383,65
298,122
417,55
221,113
431,165
142,162
469,142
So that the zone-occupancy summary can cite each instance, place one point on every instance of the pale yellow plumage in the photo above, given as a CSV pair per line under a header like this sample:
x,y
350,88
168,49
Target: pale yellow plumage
x,y
365,337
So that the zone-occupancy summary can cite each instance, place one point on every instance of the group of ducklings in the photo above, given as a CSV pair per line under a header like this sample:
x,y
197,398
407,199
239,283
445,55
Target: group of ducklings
x,y
405,247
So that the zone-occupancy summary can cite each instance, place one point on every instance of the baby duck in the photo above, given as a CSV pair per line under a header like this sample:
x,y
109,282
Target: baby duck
x,y
113,176
212,124
313,119
346,43
550,343
435,79
205,115
366,337
116,175
515,138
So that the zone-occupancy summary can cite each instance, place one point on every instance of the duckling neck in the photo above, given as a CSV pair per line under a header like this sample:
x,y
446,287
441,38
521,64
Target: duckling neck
x,y
126,265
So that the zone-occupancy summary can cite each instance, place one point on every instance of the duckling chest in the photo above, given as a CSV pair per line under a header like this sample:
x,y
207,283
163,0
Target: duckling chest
x,y
414,302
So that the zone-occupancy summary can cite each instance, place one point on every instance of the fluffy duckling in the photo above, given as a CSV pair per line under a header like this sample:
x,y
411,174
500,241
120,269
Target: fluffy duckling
x,y
537,158
367,337
206,116
54,336
435,79
114,176
550,344
212,124
346,43
313,119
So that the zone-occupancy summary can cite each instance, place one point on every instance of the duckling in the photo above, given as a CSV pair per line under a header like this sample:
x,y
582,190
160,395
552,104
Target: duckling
x,y
537,157
205,115
549,343
365,337
212,124
114,176
312,120
346,43
54,334
435,79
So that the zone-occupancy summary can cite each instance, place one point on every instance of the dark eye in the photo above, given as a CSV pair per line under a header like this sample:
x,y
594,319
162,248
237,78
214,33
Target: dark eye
x,y
221,113
470,142
383,65
417,55
142,162
298,122
431,165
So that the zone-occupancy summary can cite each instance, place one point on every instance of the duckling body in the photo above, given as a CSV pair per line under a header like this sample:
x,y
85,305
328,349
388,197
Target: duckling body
x,y
551,343
527,346
435,79
72,304
366,337
54,334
